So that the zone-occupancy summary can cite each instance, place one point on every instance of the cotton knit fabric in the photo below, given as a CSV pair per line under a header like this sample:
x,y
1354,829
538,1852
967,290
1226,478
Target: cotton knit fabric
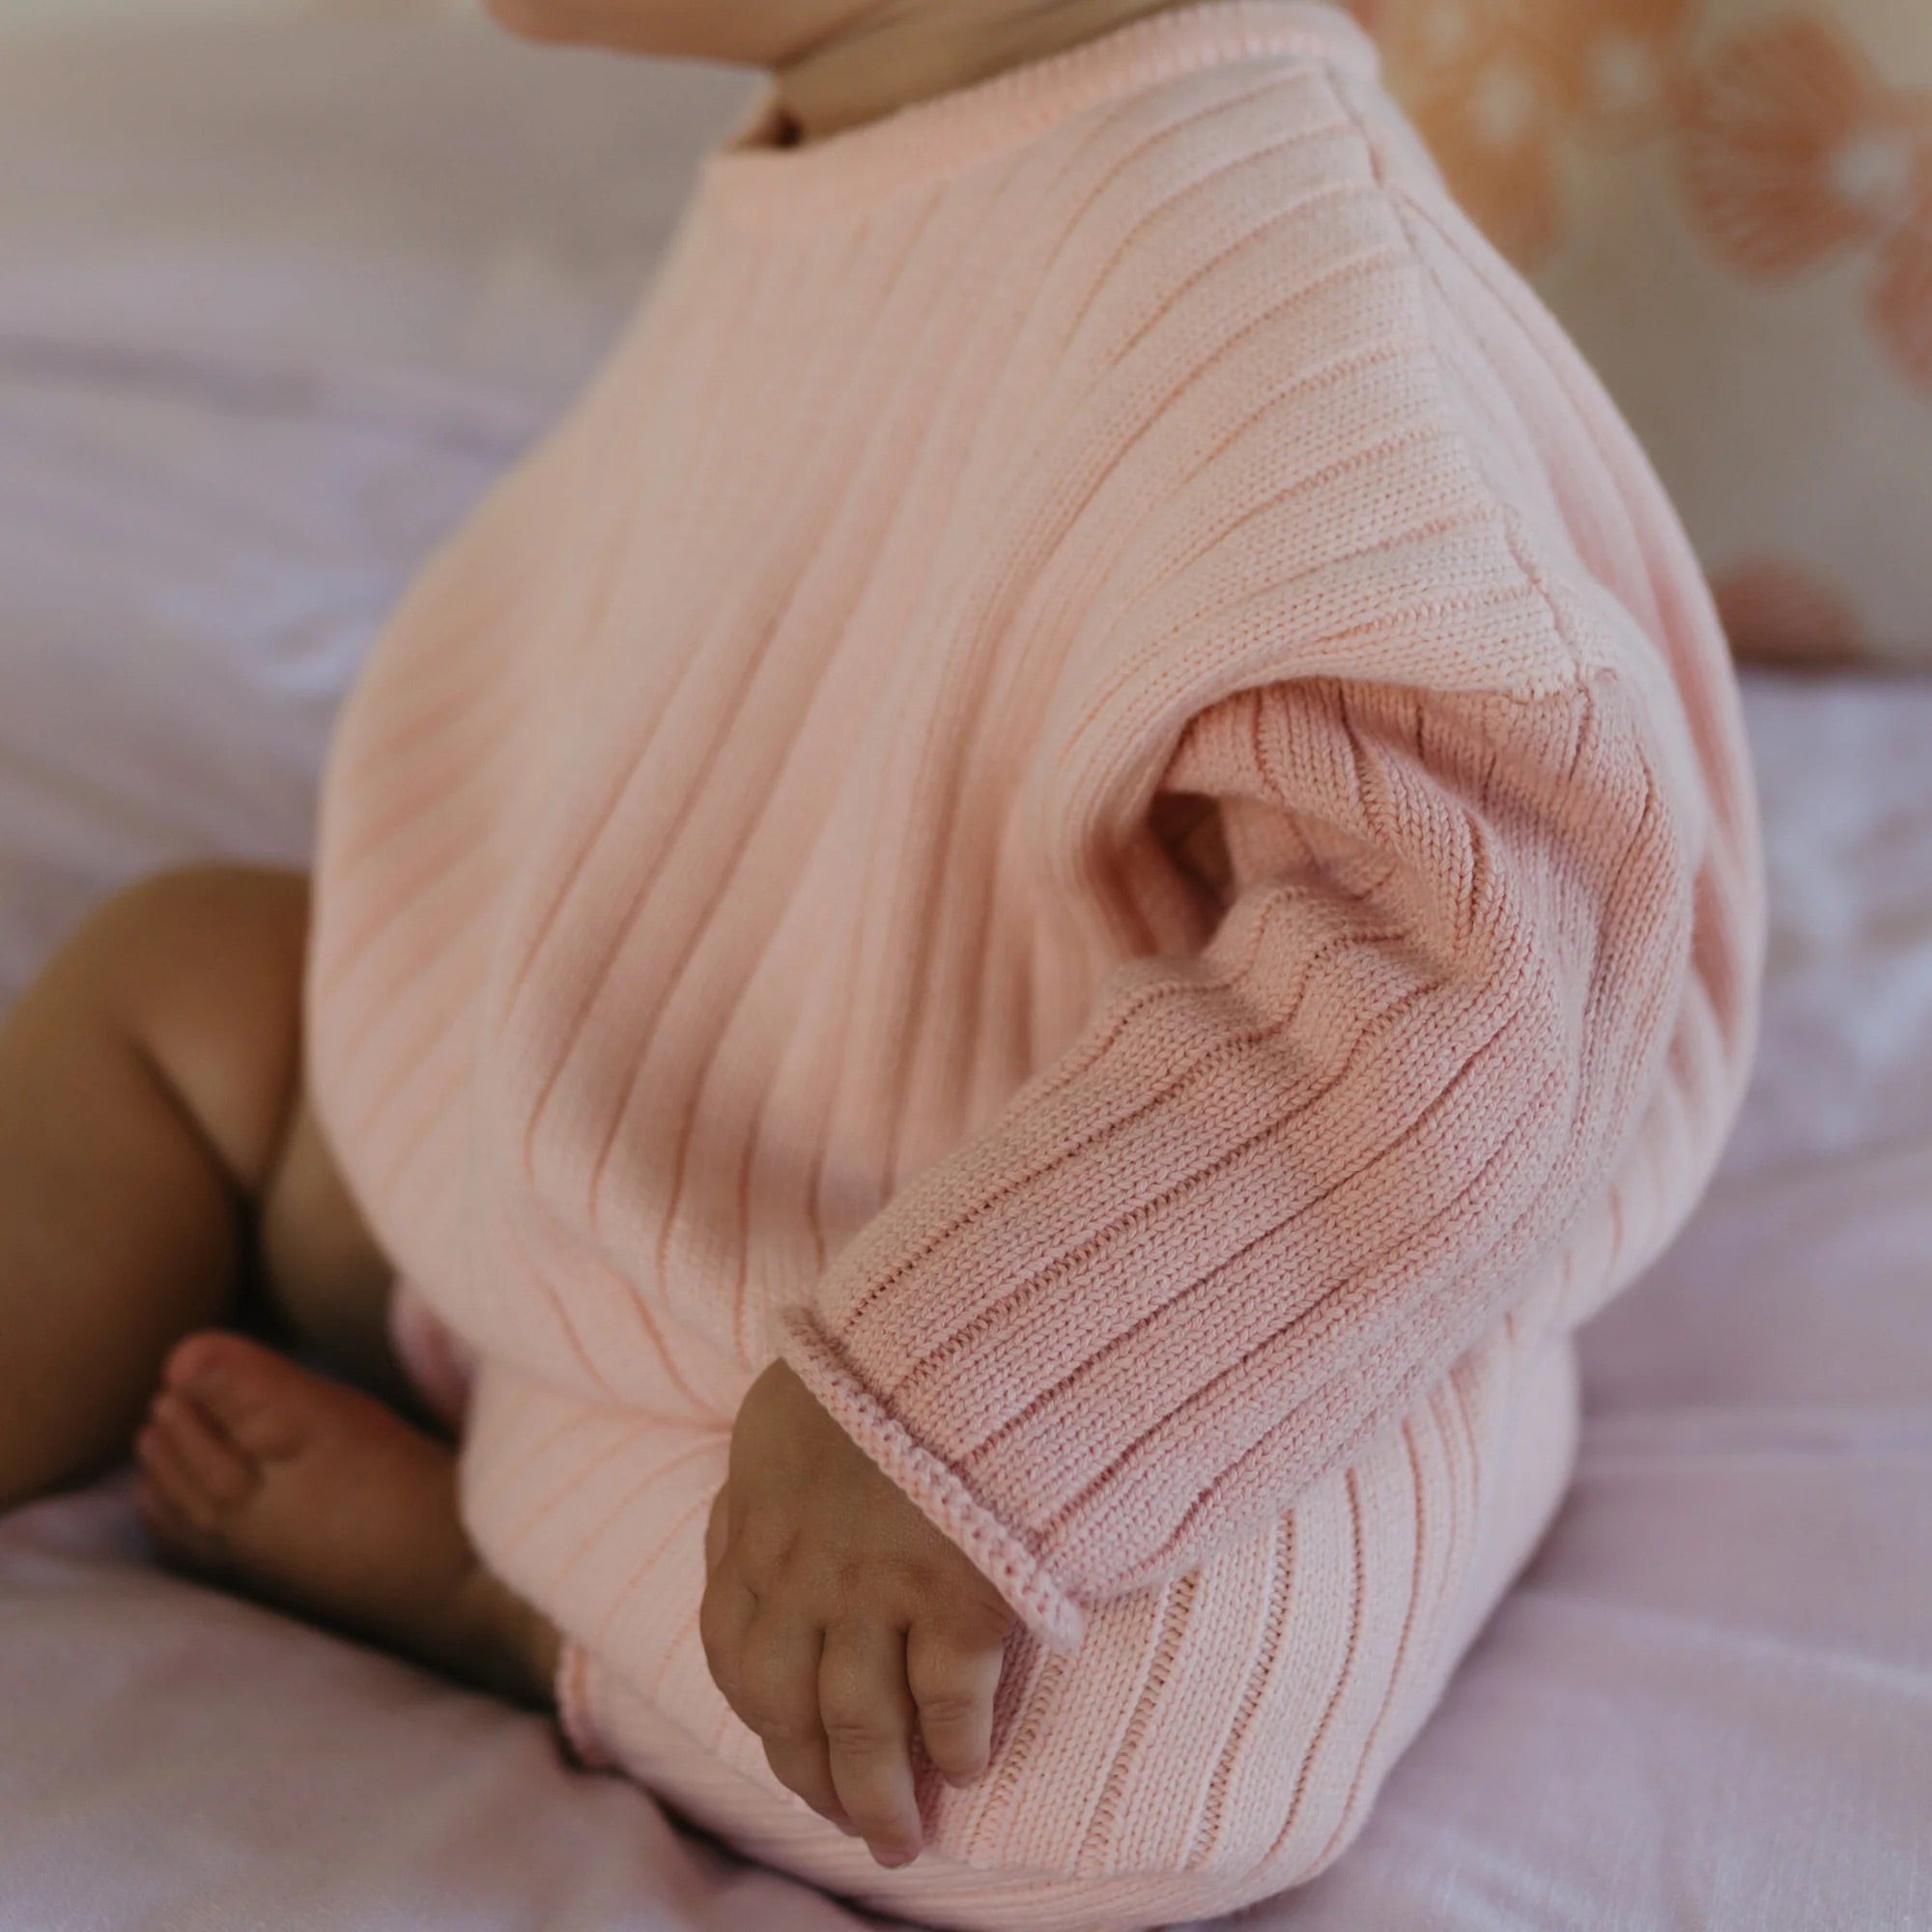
x,y
1091,792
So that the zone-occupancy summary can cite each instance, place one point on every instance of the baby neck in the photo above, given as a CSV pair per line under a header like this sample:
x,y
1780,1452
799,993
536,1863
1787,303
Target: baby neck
x,y
901,51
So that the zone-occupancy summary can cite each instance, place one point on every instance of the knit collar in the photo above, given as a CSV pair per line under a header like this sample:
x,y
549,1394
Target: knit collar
x,y
748,175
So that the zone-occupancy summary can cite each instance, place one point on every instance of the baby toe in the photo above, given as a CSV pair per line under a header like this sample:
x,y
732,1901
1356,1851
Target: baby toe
x,y
222,1472
182,1521
246,1392
206,1362
171,1473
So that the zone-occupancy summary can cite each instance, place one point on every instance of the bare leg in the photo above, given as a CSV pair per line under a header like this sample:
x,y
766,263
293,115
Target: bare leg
x,y
161,1174
145,1080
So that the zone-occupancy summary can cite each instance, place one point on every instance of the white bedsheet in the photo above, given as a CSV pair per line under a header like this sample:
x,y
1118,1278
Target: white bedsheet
x,y
276,304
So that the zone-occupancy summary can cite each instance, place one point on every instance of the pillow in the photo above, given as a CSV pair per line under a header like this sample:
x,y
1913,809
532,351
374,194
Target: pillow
x,y
1728,205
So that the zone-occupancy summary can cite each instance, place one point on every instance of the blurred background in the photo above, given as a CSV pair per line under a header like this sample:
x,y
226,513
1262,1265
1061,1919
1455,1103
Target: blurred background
x,y
77,13
285,285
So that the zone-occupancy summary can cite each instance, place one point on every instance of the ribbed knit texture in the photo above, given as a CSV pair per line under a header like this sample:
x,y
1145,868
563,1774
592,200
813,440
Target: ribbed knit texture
x,y
1091,792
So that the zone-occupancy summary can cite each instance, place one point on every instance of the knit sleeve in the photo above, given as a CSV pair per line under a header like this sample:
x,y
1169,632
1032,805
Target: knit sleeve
x,y
1273,1189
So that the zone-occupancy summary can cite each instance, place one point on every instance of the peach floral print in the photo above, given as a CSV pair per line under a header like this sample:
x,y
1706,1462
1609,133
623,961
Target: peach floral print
x,y
1792,150
1615,66
1901,295
1789,147
1776,612
1465,71
1494,87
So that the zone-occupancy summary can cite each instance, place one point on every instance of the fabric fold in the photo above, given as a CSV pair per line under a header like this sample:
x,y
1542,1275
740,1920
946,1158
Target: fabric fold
x,y
1272,1191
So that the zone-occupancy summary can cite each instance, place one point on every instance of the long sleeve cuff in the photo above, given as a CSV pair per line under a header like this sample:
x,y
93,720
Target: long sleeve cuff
x,y
572,1691
1030,1589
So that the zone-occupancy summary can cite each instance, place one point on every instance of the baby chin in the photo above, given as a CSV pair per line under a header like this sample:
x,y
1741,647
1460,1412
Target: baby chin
x,y
738,33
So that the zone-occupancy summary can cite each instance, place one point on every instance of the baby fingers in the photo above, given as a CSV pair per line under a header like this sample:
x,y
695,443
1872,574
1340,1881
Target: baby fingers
x,y
952,1670
867,1712
776,1692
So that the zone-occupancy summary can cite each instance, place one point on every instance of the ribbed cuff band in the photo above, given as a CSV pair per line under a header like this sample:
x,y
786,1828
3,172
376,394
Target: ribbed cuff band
x,y
1054,1618
573,1709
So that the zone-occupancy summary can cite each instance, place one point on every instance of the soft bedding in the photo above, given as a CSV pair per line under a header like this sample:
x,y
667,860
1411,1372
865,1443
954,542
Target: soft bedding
x,y
276,303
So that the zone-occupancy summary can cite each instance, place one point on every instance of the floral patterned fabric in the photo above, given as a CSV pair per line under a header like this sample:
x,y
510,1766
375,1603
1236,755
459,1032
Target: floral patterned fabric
x,y
1728,204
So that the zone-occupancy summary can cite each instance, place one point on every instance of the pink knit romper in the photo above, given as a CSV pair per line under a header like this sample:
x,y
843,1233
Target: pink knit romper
x,y
1090,791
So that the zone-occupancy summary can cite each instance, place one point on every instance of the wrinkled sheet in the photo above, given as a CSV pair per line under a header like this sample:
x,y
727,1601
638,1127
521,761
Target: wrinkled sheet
x,y
275,305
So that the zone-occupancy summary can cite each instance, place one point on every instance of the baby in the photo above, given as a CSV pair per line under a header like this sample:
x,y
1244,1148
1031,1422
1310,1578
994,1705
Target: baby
x,y
994,962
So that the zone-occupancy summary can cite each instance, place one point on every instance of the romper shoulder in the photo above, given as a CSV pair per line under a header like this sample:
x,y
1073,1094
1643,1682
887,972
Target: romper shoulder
x,y
1268,377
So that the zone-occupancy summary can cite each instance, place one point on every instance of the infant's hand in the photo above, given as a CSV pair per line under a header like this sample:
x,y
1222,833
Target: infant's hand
x,y
835,1611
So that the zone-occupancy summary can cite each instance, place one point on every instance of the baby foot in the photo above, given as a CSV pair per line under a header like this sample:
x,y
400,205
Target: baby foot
x,y
322,1501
